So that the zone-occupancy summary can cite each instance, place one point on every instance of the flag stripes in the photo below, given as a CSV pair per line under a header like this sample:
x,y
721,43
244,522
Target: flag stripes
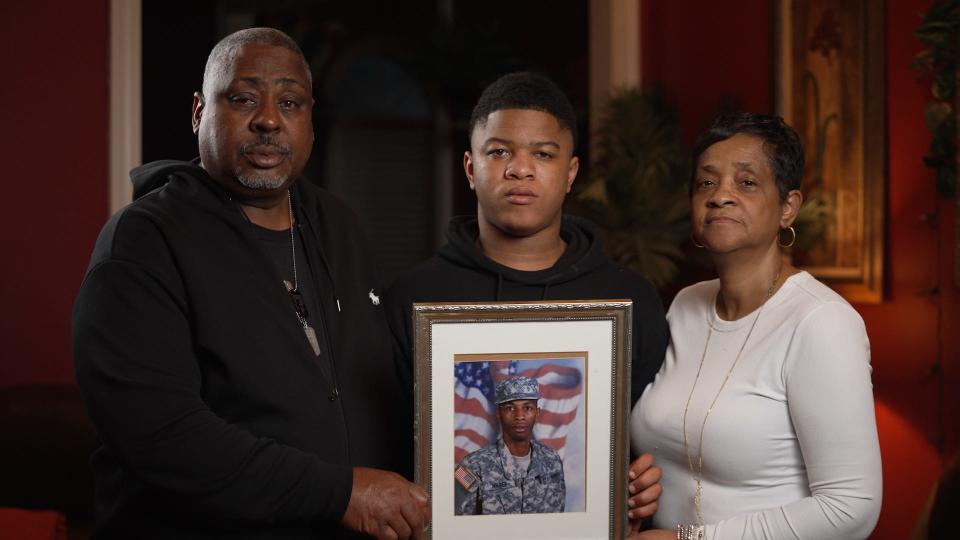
x,y
475,422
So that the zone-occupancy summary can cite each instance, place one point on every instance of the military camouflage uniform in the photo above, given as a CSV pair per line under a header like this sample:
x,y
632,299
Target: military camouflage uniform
x,y
483,484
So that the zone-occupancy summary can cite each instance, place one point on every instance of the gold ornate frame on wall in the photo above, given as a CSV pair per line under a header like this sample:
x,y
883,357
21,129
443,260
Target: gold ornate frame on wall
x,y
831,88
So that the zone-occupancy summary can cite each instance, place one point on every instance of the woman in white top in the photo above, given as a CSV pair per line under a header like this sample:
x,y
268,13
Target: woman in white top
x,y
761,417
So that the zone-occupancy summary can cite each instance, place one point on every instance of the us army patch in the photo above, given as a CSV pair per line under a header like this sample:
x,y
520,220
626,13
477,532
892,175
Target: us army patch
x,y
465,478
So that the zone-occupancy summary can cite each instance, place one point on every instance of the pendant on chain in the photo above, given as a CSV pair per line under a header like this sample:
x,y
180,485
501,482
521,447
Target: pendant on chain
x,y
312,338
698,501
300,308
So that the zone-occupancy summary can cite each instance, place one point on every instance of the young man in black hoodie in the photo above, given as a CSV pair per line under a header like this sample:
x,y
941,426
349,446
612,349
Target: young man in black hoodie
x,y
226,338
521,165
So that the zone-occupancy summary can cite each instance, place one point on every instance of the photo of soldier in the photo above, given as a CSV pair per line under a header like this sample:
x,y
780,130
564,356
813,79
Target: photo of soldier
x,y
516,474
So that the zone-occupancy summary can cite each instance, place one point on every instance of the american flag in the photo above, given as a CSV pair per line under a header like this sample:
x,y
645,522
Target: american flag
x,y
475,421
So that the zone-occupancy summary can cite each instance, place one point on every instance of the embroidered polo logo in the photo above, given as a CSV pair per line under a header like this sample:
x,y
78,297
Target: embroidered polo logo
x,y
374,299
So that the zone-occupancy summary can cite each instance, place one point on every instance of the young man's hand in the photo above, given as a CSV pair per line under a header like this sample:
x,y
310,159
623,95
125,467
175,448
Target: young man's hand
x,y
653,534
644,489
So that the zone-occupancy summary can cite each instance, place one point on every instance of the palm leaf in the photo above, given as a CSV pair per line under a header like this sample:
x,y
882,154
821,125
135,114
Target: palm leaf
x,y
638,189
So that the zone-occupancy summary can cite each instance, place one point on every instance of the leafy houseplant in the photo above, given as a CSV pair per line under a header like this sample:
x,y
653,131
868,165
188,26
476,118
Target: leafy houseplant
x,y
940,32
638,192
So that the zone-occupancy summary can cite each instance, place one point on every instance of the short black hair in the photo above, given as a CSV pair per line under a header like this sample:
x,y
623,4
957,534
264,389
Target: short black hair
x,y
225,49
780,142
525,90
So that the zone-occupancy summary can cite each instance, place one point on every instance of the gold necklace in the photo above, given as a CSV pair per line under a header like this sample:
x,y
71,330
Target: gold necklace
x,y
698,473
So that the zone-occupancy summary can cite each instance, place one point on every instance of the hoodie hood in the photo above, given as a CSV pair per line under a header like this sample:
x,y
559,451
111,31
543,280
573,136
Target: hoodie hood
x,y
155,174
584,254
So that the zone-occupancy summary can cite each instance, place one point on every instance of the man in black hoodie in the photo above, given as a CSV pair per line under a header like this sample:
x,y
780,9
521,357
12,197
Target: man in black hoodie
x,y
521,165
226,337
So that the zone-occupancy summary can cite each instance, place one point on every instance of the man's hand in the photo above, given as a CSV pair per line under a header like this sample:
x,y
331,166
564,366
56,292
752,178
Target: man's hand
x,y
384,505
644,489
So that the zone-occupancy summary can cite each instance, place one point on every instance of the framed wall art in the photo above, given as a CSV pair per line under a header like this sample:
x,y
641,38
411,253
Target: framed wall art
x,y
521,418
830,87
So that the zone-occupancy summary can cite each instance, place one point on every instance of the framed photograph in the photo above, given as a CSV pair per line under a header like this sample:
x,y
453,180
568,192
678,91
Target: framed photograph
x,y
521,418
830,87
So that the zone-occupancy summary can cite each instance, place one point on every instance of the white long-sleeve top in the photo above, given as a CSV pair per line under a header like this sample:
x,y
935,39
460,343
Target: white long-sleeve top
x,y
790,449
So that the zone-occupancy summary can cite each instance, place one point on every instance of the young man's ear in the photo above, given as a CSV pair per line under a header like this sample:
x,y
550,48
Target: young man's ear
x,y
574,168
198,104
468,168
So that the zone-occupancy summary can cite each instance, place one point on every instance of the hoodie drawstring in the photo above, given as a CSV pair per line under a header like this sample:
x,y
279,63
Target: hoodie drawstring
x,y
546,287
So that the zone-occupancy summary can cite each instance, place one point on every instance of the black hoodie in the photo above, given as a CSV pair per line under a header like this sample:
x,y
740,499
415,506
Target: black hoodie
x,y
215,418
460,272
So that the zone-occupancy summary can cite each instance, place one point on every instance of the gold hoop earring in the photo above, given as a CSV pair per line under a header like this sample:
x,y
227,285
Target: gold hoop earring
x,y
694,240
793,238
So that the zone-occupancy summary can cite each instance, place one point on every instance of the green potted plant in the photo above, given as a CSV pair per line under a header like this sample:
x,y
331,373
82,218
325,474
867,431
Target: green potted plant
x,y
637,192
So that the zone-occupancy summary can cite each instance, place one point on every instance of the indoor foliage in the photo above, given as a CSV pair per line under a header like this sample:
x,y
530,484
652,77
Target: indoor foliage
x,y
940,32
638,189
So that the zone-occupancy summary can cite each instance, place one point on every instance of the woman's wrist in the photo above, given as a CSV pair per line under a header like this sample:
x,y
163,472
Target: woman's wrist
x,y
690,532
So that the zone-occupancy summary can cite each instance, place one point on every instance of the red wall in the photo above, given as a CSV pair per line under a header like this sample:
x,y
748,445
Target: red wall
x,y
702,51
905,331
699,50
55,96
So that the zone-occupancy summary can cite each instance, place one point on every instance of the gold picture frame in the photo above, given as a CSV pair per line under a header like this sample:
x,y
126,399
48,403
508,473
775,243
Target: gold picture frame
x,y
830,88
589,343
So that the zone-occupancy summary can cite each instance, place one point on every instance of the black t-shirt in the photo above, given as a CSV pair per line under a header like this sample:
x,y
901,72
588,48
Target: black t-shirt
x,y
278,247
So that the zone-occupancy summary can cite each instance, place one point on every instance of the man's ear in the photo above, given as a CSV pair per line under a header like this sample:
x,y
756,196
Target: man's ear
x,y
790,207
198,104
468,169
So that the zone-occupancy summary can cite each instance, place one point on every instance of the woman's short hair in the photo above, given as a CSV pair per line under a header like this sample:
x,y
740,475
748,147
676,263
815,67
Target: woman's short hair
x,y
780,142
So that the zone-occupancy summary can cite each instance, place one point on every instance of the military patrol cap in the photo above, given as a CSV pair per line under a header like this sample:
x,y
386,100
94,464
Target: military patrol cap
x,y
515,388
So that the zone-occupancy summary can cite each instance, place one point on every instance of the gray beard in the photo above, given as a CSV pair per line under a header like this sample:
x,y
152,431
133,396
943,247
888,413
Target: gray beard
x,y
262,182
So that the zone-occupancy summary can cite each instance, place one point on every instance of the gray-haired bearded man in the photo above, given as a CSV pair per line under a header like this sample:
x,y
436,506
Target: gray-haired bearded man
x,y
225,338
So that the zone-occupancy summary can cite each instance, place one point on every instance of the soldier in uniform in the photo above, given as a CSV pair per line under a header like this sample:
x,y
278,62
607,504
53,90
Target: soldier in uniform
x,y
517,474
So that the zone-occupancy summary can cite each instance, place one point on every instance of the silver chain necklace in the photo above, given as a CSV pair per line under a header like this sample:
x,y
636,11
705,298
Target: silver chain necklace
x,y
293,246
698,472
299,306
